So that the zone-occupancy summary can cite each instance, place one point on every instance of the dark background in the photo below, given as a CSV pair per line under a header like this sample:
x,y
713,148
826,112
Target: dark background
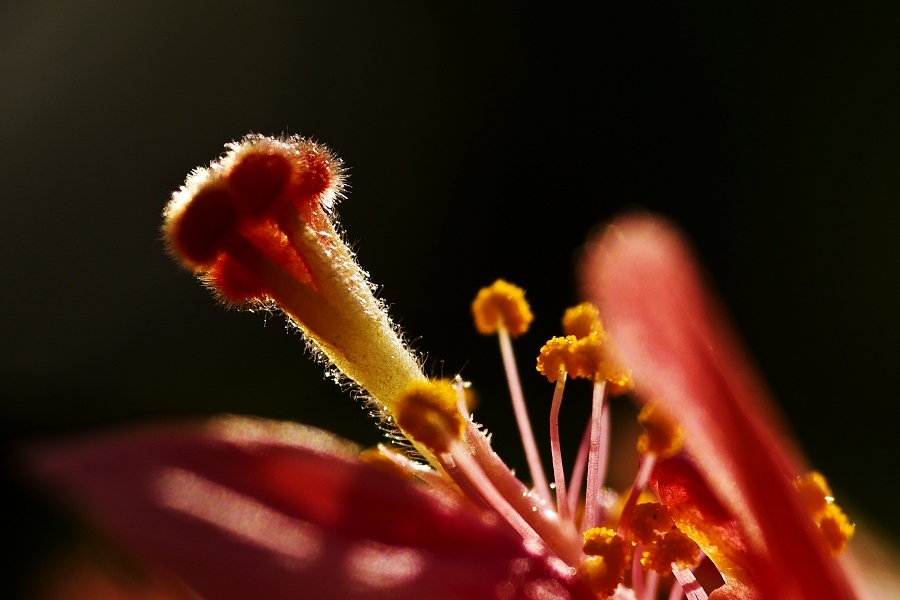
x,y
769,133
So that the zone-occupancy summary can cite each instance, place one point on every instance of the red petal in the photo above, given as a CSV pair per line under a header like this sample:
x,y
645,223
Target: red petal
x,y
674,337
244,508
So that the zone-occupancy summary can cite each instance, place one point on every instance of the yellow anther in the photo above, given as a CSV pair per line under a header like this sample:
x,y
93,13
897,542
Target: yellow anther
x,y
604,568
660,437
600,541
588,358
501,304
818,499
582,321
555,357
601,575
429,412
648,519
673,547
618,380
836,529
814,492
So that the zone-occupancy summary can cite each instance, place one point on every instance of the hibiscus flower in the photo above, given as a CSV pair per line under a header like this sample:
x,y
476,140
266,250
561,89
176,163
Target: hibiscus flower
x,y
246,508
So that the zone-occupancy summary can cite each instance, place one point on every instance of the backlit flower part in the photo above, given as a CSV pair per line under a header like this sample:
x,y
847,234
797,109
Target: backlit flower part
x,y
246,508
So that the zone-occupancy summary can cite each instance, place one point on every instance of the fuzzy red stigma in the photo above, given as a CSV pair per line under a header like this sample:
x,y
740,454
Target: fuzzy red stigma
x,y
258,179
317,176
196,231
233,283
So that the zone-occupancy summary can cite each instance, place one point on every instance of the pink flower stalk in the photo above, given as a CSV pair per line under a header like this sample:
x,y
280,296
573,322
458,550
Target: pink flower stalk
x,y
246,508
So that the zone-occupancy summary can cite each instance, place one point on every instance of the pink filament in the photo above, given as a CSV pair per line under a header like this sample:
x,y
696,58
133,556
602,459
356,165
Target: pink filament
x,y
677,591
518,401
559,474
648,461
467,465
689,583
594,483
651,585
559,535
582,459
579,468
637,573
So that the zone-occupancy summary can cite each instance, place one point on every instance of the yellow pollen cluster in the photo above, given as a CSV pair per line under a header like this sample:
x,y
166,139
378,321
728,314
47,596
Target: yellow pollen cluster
x,y
581,354
589,359
814,492
673,547
660,436
583,320
556,357
816,495
501,305
663,543
604,568
429,412
647,519
836,528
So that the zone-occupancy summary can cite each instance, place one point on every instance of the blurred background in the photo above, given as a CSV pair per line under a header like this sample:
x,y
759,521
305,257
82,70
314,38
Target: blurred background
x,y
483,140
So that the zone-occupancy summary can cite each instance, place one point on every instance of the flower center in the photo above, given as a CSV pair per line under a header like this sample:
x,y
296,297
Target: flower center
x,y
258,227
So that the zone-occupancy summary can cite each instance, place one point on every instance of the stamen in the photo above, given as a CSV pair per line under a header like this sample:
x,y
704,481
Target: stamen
x,y
501,308
501,305
552,362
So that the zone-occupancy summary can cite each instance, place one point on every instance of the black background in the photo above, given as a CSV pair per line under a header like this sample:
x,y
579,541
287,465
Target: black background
x,y
484,140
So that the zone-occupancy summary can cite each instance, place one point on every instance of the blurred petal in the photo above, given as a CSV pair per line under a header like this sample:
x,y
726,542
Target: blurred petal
x,y
873,565
245,508
80,575
674,337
